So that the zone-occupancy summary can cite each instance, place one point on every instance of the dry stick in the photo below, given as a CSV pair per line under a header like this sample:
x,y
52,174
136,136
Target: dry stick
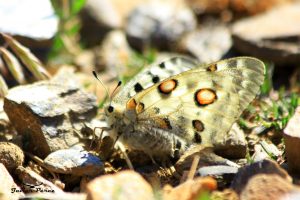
x,y
40,162
193,168
122,148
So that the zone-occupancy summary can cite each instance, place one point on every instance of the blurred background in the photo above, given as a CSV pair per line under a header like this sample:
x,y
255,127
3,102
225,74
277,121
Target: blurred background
x,y
120,37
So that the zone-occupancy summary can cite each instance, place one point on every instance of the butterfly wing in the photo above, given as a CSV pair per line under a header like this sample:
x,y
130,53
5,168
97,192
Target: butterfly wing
x,y
152,75
200,105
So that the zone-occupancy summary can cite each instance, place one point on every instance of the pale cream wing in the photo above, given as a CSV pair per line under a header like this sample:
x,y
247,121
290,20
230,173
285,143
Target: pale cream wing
x,y
200,106
153,74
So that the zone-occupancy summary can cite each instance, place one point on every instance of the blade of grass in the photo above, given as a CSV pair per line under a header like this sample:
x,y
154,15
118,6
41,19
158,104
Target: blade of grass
x,y
13,65
29,60
3,86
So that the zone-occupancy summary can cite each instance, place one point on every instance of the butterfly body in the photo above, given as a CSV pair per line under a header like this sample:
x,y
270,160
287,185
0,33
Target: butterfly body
x,y
170,106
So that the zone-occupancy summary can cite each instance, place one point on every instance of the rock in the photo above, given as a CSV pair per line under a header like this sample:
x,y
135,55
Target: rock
x,y
33,182
49,114
115,53
159,24
208,44
122,185
54,196
267,186
245,7
74,161
103,13
264,167
191,189
259,153
208,6
227,194
275,40
233,145
9,190
265,150
224,174
291,135
102,16
39,16
11,156
206,158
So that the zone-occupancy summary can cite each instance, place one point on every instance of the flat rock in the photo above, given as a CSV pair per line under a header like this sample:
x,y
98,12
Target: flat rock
x,y
291,135
47,112
246,7
275,40
74,161
224,174
264,167
207,44
122,185
39,16
54,196
9,188
268,186
11,155
233,145
159,23
227,194
191,189
206,158
33,182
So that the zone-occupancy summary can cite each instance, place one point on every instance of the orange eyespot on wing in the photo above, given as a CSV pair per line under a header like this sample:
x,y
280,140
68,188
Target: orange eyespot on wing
x,y
168,86
198,125
205,96
164,123
131,104
140,107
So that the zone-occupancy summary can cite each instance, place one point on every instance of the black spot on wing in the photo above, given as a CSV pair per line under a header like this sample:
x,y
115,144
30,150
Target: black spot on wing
x,y
138,87
155,79
197,137
162,65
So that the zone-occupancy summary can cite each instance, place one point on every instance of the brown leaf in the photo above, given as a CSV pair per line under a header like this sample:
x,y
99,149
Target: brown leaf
x,y
13,65
29,60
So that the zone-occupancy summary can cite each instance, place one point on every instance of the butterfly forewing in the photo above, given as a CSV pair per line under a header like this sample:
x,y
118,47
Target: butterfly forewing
x,y
153,74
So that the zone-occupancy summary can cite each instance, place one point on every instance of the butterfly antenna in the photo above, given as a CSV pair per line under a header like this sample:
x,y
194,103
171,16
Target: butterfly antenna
x,y
113,92
105,88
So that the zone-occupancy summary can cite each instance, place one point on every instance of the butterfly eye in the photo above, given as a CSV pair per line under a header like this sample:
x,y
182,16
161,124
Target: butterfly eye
x,y
212,68
205,96
110,109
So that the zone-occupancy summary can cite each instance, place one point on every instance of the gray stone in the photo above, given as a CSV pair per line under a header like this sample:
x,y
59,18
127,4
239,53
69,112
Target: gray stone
x,y
266,37
233,145
291,135
74,161
222,173
208,44
217,170
46,112
7,185
159,24
265,167
31,182
206,158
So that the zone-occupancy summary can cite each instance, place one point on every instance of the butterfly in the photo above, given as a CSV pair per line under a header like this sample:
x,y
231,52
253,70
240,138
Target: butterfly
x,y
175,104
